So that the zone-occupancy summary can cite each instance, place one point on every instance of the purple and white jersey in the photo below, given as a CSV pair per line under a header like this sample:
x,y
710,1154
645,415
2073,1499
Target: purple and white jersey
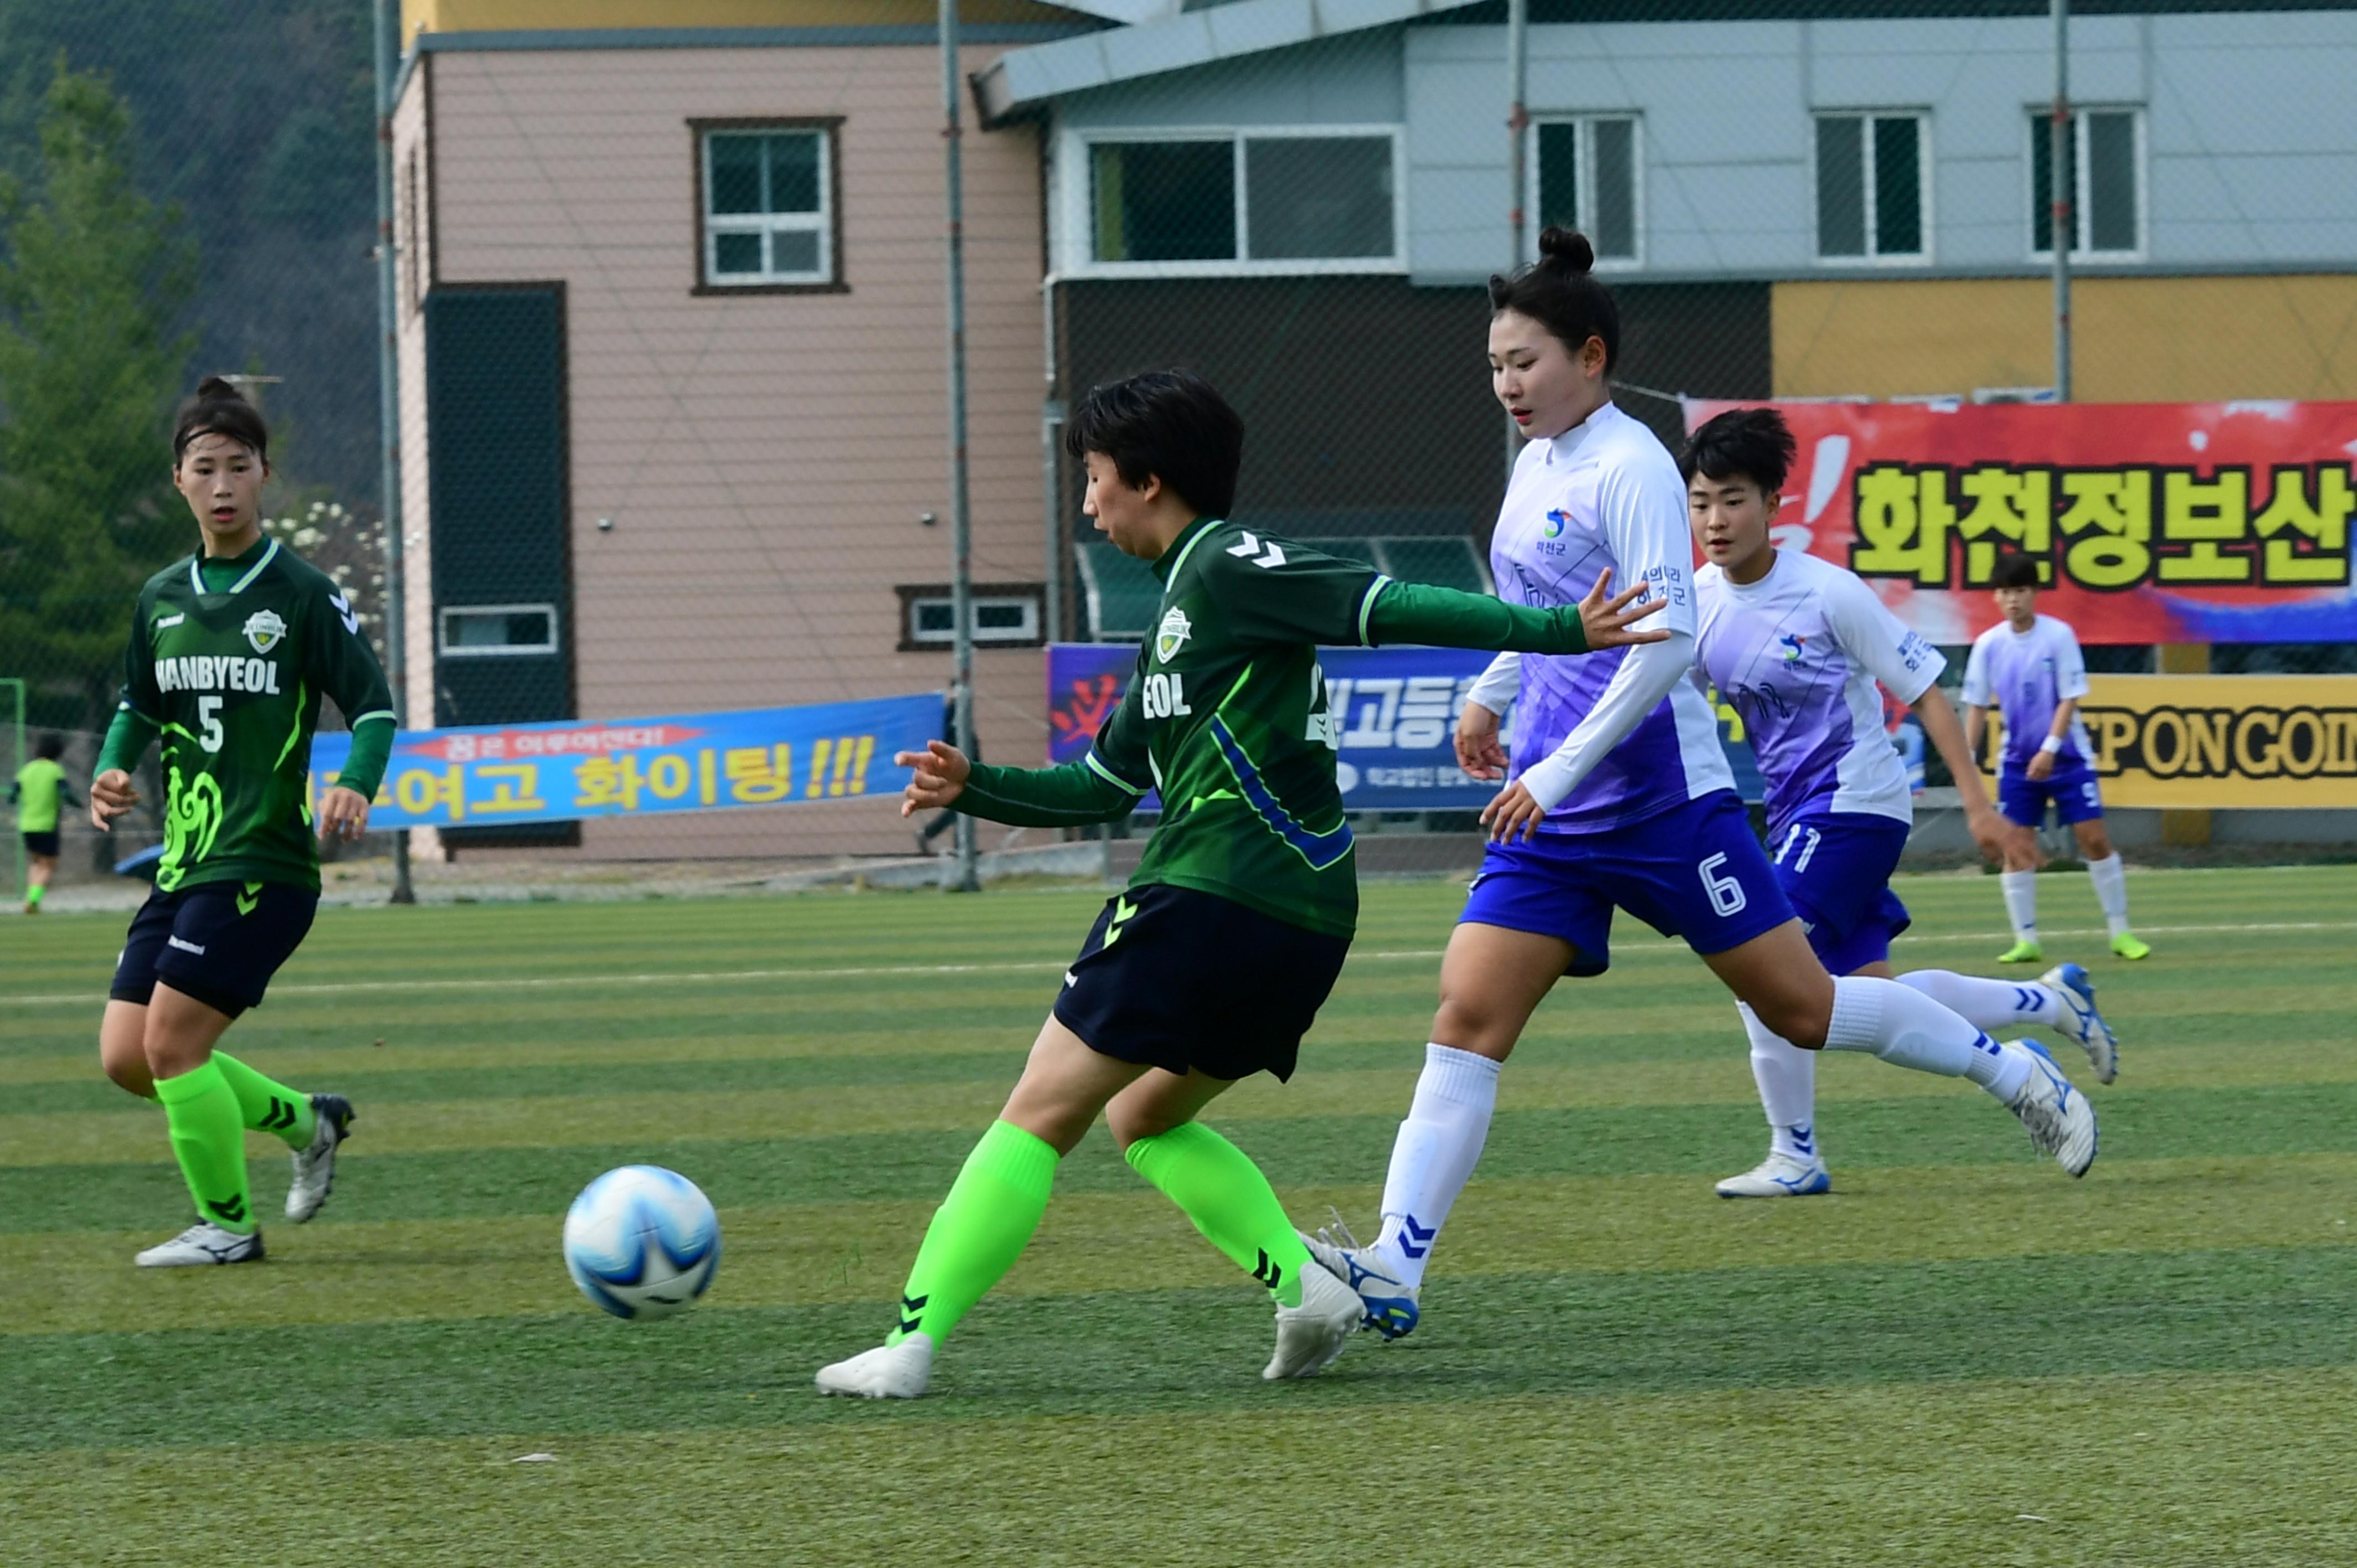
x,y
2026,676
1603,739
1797,654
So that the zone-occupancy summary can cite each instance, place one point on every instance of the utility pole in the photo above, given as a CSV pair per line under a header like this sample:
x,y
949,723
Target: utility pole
x,y
965,880
2062,226
388,380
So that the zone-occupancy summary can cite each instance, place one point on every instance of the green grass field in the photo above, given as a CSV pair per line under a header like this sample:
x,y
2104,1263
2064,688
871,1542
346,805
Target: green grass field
x,y
1961,1358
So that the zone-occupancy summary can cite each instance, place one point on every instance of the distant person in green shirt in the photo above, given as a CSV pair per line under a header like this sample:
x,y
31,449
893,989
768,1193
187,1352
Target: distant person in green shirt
x,y
231,649
41,784
1211,964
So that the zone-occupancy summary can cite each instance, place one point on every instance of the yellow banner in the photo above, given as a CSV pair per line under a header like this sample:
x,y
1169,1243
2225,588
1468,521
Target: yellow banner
x,y
2223,741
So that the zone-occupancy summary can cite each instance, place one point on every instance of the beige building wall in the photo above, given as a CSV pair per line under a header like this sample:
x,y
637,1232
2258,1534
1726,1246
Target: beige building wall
x,y
2138,339
764,458
490,15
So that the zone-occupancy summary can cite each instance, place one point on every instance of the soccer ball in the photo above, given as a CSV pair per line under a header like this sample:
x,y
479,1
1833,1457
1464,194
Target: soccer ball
x,y
643,1242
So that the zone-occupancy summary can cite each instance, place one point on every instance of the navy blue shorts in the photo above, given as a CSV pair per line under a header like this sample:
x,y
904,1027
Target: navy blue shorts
x,y
2073,794
1694,872
1836,867
1182,980
43,845
218,942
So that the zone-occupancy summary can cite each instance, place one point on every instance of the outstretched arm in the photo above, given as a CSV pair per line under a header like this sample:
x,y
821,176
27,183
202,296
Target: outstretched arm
x,y
1996,837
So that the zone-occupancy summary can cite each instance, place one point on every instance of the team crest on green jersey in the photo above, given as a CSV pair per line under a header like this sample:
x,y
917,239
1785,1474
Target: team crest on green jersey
x,y
263,630
1175,631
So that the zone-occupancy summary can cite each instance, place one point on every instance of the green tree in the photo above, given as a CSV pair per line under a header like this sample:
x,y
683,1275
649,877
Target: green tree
x,y
93,278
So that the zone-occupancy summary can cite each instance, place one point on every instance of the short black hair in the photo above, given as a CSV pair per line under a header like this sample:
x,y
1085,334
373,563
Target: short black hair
x,y
1753,444
1169,424
220,409
2015,570
1559,292
50,746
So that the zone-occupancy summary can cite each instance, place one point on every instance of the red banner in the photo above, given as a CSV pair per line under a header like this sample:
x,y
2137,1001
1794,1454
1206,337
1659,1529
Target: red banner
x,y
2157,523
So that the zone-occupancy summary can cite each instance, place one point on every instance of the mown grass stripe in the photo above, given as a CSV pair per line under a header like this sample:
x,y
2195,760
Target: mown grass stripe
x,y
848,1252
1699,1141
1133,1351
2163,1470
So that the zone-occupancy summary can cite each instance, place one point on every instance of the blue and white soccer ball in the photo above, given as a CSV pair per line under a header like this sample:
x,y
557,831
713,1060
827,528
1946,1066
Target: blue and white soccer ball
x,y
643,1242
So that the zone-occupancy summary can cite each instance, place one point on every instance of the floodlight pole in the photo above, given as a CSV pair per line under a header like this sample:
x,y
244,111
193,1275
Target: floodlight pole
x,y
965,880
388,382
1518,125
2061,225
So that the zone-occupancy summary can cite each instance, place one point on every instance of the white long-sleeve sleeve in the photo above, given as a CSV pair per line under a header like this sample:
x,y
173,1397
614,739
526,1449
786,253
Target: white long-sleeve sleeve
x,y
1495,687
1646,526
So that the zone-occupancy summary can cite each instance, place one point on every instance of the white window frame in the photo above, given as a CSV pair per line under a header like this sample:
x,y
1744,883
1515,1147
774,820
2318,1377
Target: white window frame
x,y
1925,194
1586,181
2080,164
1076,162
450,650
821,222
914,636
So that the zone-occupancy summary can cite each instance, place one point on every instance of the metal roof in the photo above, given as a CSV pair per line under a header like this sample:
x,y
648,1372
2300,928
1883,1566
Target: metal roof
x,y
1026,77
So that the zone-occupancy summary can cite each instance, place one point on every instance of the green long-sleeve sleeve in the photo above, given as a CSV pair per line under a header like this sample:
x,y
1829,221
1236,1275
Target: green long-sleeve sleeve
x,y
372,748
1077,793
1445,617
127,740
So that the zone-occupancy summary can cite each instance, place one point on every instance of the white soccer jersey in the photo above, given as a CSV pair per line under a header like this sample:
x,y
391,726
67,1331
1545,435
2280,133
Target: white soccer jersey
x,y
2026,676
1797,655
1607,738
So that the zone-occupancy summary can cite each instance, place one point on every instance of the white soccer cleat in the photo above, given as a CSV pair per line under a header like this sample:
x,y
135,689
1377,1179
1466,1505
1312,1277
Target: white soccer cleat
x,y
2074,994
1390,1302
1311,1335
315,1167
887,1373
2060,1121
201,1243
1780,1175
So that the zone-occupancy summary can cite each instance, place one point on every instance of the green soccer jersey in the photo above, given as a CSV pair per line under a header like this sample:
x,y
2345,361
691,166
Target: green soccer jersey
x,y
233,680
1226,717
39,784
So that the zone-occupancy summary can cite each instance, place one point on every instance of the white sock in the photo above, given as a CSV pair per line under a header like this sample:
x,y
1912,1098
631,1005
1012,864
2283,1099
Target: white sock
x,y
1787,1076
1907,1028
2111,880
1435,1154
1995,1006
2021,903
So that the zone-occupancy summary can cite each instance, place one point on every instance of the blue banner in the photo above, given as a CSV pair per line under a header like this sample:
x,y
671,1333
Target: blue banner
x,y
489,776
1394,708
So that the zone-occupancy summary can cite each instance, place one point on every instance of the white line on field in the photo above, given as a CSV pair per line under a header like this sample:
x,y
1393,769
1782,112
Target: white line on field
x,y
546,982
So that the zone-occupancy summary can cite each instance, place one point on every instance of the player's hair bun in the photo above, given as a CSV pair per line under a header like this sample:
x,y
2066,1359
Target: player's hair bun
x,y
214,388
1567,248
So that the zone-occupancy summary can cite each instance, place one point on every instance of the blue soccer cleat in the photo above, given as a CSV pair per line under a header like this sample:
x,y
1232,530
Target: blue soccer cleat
x,y
2074,988
1390,1303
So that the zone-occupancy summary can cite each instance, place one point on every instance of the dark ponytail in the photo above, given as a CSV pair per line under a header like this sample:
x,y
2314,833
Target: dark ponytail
x,y
1559,292
220,409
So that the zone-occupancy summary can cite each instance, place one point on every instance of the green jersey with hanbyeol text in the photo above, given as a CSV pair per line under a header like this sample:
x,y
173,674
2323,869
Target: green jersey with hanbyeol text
x,y
1226,718
231,673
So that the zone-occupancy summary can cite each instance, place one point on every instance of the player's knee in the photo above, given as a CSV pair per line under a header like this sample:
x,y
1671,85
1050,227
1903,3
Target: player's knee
x,y
1801,1017
129,1070
1476,1024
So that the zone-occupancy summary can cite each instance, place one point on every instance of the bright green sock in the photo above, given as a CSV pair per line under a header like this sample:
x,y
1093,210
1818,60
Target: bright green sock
x,y
1230,1201
266,1105
33,894
208,1136
979,1231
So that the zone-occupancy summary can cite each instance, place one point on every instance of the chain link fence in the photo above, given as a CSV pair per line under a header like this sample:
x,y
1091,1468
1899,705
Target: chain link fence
x,y
671,331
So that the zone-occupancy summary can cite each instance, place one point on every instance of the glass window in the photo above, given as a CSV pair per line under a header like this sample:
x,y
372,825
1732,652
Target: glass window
x,y
492,631
1587,178
2104,176
1318,198
1870,187
1240,197
1164,201
767,216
